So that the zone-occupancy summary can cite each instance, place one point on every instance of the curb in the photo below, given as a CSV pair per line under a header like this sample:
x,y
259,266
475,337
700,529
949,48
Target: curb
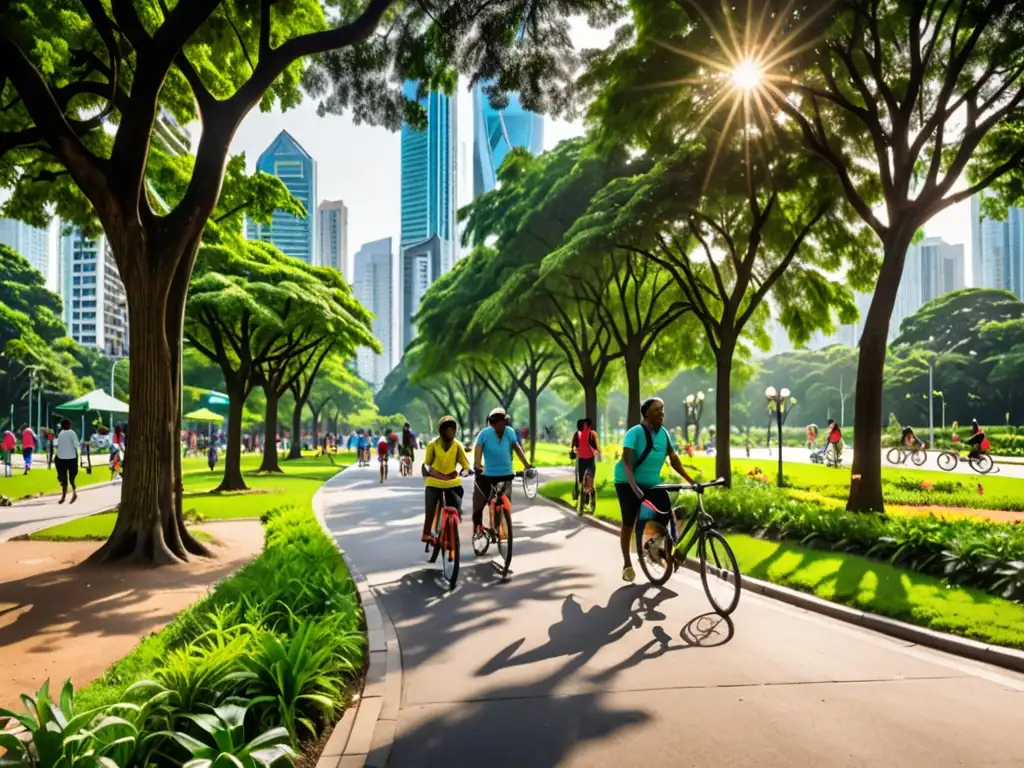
x,y
1007,658
366,732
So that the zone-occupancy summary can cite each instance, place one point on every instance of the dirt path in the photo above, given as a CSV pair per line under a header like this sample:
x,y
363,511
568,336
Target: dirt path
x,y
949,513
61,619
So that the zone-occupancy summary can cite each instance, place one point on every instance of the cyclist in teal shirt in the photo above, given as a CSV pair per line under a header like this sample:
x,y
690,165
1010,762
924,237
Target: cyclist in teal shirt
x,y
639,470
494,445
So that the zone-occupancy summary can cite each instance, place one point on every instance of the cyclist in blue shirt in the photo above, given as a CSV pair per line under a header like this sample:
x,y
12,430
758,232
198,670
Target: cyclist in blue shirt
x,y
364,447
639,470
494,445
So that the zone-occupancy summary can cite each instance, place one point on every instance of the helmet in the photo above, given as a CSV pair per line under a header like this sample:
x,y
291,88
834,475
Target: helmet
x,y
446,420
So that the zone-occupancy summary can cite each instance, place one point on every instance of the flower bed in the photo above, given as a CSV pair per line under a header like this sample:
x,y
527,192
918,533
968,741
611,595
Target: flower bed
x,y
245,676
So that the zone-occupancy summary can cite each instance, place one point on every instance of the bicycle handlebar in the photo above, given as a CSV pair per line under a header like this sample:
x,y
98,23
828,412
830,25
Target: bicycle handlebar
x,y
698,487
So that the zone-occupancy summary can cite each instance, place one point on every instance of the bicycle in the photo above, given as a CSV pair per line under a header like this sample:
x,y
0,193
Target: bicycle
x,y
383,467
658,547
980,462
901,453
500,529
445,538
405,466
586,497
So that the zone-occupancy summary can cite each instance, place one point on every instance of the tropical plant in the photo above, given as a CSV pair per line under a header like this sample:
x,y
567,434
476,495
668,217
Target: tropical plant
x,y
223,744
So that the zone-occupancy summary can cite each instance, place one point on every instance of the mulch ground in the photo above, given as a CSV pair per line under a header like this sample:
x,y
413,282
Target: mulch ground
x,y
61,619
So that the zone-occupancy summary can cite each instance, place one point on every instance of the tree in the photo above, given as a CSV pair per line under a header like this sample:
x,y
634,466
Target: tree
x,y
77,134
337,389
956,317
898,97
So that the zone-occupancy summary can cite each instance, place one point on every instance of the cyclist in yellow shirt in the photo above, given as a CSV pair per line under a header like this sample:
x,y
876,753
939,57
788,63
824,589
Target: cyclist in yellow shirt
x,y
440,468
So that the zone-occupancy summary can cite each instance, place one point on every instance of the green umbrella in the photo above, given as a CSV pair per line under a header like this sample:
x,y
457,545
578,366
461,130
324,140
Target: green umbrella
x,y
97,400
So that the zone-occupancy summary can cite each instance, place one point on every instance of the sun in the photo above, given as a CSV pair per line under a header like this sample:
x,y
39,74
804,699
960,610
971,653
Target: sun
x,y
746,75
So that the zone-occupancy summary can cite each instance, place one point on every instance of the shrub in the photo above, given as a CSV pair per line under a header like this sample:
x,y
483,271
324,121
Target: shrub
x,y
964,552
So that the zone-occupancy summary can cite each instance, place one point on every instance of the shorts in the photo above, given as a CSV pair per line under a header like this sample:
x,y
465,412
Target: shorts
x,y
629,504
382,453
583,466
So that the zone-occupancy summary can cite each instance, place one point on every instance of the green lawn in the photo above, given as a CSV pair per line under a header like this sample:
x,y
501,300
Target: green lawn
x,y
42,481
296,486
549,455
857,581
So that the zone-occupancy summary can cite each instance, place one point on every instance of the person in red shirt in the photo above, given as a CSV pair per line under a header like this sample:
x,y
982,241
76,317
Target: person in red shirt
x,y
584,448
28,446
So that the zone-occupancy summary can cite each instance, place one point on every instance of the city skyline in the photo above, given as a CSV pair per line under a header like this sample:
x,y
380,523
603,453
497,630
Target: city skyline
x,y
373,285
997,251
286,159
332,227
90,287
31,242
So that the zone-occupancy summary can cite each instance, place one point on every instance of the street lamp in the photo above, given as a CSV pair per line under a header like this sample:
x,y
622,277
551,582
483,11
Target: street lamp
x,y
693,408
931,387
781,403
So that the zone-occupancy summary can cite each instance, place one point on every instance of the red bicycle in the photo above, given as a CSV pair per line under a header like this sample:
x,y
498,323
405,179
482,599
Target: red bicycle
x,y
445,539
500,529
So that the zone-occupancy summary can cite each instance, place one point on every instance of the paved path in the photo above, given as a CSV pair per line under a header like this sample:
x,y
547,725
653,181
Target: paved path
x,y
27,517
566,666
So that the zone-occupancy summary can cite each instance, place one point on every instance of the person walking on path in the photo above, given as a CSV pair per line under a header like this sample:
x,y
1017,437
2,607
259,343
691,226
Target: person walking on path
x,y
7,446
28,446
67,461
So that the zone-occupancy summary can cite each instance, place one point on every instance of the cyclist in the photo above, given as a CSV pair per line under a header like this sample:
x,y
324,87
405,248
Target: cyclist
x,y
644,450
440,468
363,448
910,439
834,439
393,443
494,445
978,441
382,456
583,449
408,445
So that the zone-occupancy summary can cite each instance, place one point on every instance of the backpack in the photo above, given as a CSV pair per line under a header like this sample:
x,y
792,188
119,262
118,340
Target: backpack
x,y
647,448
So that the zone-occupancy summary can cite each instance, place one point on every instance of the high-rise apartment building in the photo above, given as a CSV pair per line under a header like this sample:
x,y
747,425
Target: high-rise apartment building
x,y
287,160
997,260
374,286
332,223
31,242
496,131
932,268
95,309
428,197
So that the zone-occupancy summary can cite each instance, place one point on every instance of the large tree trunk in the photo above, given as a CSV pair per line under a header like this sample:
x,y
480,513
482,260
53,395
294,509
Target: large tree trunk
x,y
589,384
149,526
233,480
270,461
723,376
632,360
866,484
296,450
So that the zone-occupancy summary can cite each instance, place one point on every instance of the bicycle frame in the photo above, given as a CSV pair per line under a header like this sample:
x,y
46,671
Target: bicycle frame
x,y
442,513
499,498
698,521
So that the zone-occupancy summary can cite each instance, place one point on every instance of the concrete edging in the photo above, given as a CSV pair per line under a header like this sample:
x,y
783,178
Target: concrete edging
x,y
1007,658
366,732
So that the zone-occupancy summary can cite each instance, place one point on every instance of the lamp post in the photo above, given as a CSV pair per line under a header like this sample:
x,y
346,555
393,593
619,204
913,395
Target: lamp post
x,y
779,402
931,387
694,407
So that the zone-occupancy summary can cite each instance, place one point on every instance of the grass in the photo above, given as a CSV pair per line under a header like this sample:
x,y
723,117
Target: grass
x,y
861,582
295,487
549,454
41,481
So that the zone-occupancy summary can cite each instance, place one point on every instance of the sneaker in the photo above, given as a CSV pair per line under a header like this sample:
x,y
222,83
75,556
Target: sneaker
x,y
74,497
62,497
628,574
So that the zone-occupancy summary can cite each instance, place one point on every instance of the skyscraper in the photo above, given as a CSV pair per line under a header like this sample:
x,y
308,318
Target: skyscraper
x,y
288,161
332,222
31,242
373,286
932,268
95,309
496,131
428,197
997,260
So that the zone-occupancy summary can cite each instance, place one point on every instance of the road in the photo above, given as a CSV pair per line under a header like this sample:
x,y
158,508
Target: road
x,y
27,517
564,665
803,456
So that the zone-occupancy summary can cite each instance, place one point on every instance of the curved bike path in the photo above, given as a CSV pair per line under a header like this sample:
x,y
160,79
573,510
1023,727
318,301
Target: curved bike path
x,y
565,665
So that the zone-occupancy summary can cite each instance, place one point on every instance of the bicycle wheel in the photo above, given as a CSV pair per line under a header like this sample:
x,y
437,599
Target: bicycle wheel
x,y
450,556
530,483
654,551
894,456
947,461
503,530
919,457
719,573
982,463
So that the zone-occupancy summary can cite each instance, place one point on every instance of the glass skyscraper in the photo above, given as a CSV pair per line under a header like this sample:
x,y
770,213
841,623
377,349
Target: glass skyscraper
x,y
332,220
287,160
998,250
428,239
495,132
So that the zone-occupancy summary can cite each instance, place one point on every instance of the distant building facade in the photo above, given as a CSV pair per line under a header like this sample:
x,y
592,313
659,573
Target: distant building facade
x,y
31,242
496,131
374,286
95,307
997,260
332,223
287,160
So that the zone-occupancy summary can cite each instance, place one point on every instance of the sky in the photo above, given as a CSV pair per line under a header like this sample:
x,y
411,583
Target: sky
x,y
361,164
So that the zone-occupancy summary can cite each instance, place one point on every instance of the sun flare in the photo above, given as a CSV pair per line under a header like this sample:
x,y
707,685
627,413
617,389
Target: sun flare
x,y
746,75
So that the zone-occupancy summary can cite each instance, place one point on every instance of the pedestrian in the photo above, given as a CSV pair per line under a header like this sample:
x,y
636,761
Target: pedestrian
x,y
28,446
7,446
211,455
67,460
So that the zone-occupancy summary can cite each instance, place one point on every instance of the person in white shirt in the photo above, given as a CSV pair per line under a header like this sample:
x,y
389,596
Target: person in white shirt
x,y
67,460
